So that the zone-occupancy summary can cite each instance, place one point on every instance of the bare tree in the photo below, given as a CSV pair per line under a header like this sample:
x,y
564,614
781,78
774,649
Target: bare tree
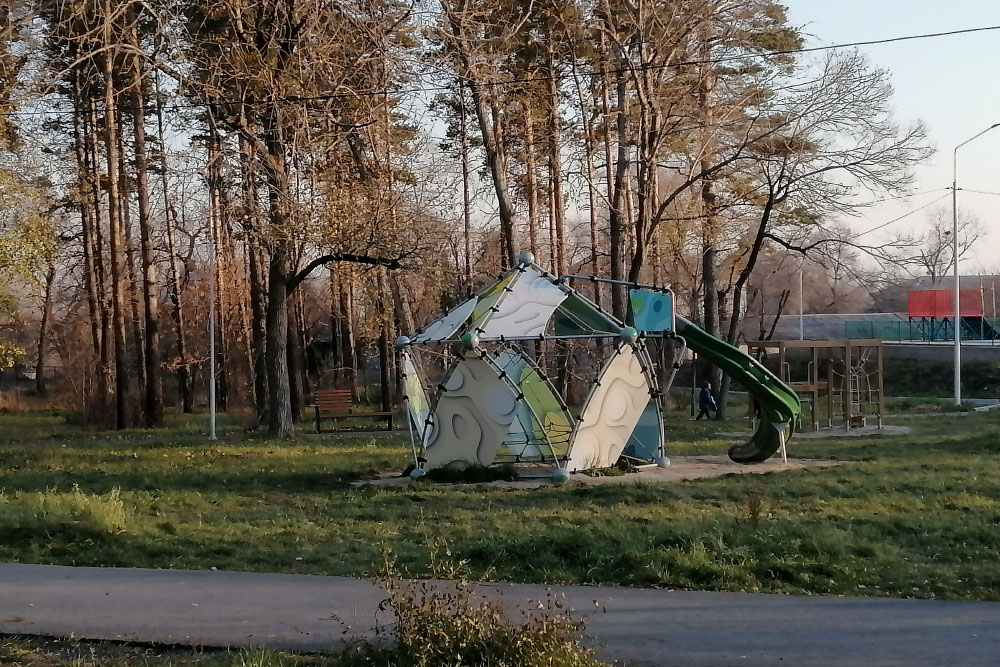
x,y
838,136
934,253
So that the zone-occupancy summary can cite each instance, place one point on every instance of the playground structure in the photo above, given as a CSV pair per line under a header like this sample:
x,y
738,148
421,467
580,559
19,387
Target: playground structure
x,y
845,375
531,371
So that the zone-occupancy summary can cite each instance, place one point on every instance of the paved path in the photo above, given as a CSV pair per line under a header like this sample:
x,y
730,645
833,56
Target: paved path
x,y
641,627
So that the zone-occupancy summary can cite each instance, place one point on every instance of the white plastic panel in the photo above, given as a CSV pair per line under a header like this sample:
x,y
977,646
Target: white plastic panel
x,y
526,309
417,405
472,416
611,413
445,326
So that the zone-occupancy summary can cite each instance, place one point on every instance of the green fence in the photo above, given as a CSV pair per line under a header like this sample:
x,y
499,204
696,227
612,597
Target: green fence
x,y
925,330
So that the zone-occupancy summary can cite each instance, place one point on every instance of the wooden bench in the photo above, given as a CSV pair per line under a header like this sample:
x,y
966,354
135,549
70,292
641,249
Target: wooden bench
x,y
339,404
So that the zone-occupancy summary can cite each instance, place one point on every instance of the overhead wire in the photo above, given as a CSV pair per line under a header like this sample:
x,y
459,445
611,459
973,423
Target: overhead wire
x,y
979,192
905,215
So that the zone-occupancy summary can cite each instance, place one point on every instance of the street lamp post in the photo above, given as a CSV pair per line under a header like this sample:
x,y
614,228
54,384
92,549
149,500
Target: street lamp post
x,y
954,239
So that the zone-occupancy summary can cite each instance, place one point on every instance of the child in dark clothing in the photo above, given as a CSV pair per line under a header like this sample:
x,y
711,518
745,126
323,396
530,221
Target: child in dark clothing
x,y
706,401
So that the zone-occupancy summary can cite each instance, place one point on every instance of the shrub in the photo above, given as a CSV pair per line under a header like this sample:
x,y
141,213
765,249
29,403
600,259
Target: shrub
x,y
450,622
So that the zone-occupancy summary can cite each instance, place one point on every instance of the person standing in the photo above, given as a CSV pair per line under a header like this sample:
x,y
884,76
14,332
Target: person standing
x,y
706,401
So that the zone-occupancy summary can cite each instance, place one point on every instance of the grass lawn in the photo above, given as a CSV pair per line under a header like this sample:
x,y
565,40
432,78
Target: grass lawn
x,y
26,651
913,516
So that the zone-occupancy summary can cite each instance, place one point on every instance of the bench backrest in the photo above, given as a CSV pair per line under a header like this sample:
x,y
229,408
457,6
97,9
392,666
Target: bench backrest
x,y
334,400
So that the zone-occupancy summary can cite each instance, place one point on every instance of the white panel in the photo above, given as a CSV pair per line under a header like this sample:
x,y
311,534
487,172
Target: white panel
x,y
445,326
611,413
526,309
471,417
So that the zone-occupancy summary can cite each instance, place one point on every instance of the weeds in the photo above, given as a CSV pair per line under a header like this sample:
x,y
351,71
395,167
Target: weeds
x,y
453,621
754,503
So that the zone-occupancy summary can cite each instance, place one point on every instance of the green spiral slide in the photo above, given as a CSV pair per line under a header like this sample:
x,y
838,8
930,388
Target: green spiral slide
x,y
780,407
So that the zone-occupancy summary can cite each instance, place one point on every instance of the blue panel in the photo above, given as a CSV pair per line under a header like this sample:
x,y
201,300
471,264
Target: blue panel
x,y
644,443
652,311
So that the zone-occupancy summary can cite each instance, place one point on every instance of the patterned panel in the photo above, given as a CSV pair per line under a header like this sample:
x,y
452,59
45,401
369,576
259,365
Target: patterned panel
x,y
542,426
651,310
526,309
488,298
446,325
611,413
472,416
556,423
417,405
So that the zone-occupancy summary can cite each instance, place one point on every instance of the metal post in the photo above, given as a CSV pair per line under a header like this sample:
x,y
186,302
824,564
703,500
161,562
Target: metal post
x,y
694,381
954,241
211,339
802,335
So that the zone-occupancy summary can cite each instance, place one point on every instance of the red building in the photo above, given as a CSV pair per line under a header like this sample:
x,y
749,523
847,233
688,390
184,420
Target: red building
x,y
939,303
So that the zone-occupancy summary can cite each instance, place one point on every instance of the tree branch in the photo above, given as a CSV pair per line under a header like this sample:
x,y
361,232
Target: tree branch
x,y
296,279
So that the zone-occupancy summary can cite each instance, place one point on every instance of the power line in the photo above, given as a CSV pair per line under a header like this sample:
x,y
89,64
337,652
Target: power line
x,y
299,99
905,215
979,192
906,196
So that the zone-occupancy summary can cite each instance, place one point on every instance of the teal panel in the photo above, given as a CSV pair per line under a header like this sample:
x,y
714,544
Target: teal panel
x,y
644,443
651,310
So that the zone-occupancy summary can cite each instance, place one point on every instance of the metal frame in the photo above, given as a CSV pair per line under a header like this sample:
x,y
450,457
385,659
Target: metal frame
x,y
491,359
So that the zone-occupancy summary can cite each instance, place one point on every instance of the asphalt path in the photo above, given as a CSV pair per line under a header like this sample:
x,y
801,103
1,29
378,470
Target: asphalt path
x,y
633,626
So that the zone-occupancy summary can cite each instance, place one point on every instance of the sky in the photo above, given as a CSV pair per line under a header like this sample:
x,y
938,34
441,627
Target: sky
x,y
951,83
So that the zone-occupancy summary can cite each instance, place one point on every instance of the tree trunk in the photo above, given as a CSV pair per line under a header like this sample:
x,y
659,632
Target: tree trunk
x,y
125,196
296,388
256,280
384,356
531,179
123,379
738,287
466,191
153,399
183,372
710,230
87,212
401,304
491,145
347,332
617,215
590,149
258,328
43,329
279,404
555,170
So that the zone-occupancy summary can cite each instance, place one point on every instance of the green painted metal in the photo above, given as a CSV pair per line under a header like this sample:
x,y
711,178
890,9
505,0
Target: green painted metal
x,y
576,316
924,329
780,407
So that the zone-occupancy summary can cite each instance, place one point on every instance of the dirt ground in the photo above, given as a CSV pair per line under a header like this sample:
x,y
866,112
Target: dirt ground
x,y
681,468
838,432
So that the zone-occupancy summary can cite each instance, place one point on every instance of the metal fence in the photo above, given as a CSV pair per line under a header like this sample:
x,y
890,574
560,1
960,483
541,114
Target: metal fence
x,y
928,330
